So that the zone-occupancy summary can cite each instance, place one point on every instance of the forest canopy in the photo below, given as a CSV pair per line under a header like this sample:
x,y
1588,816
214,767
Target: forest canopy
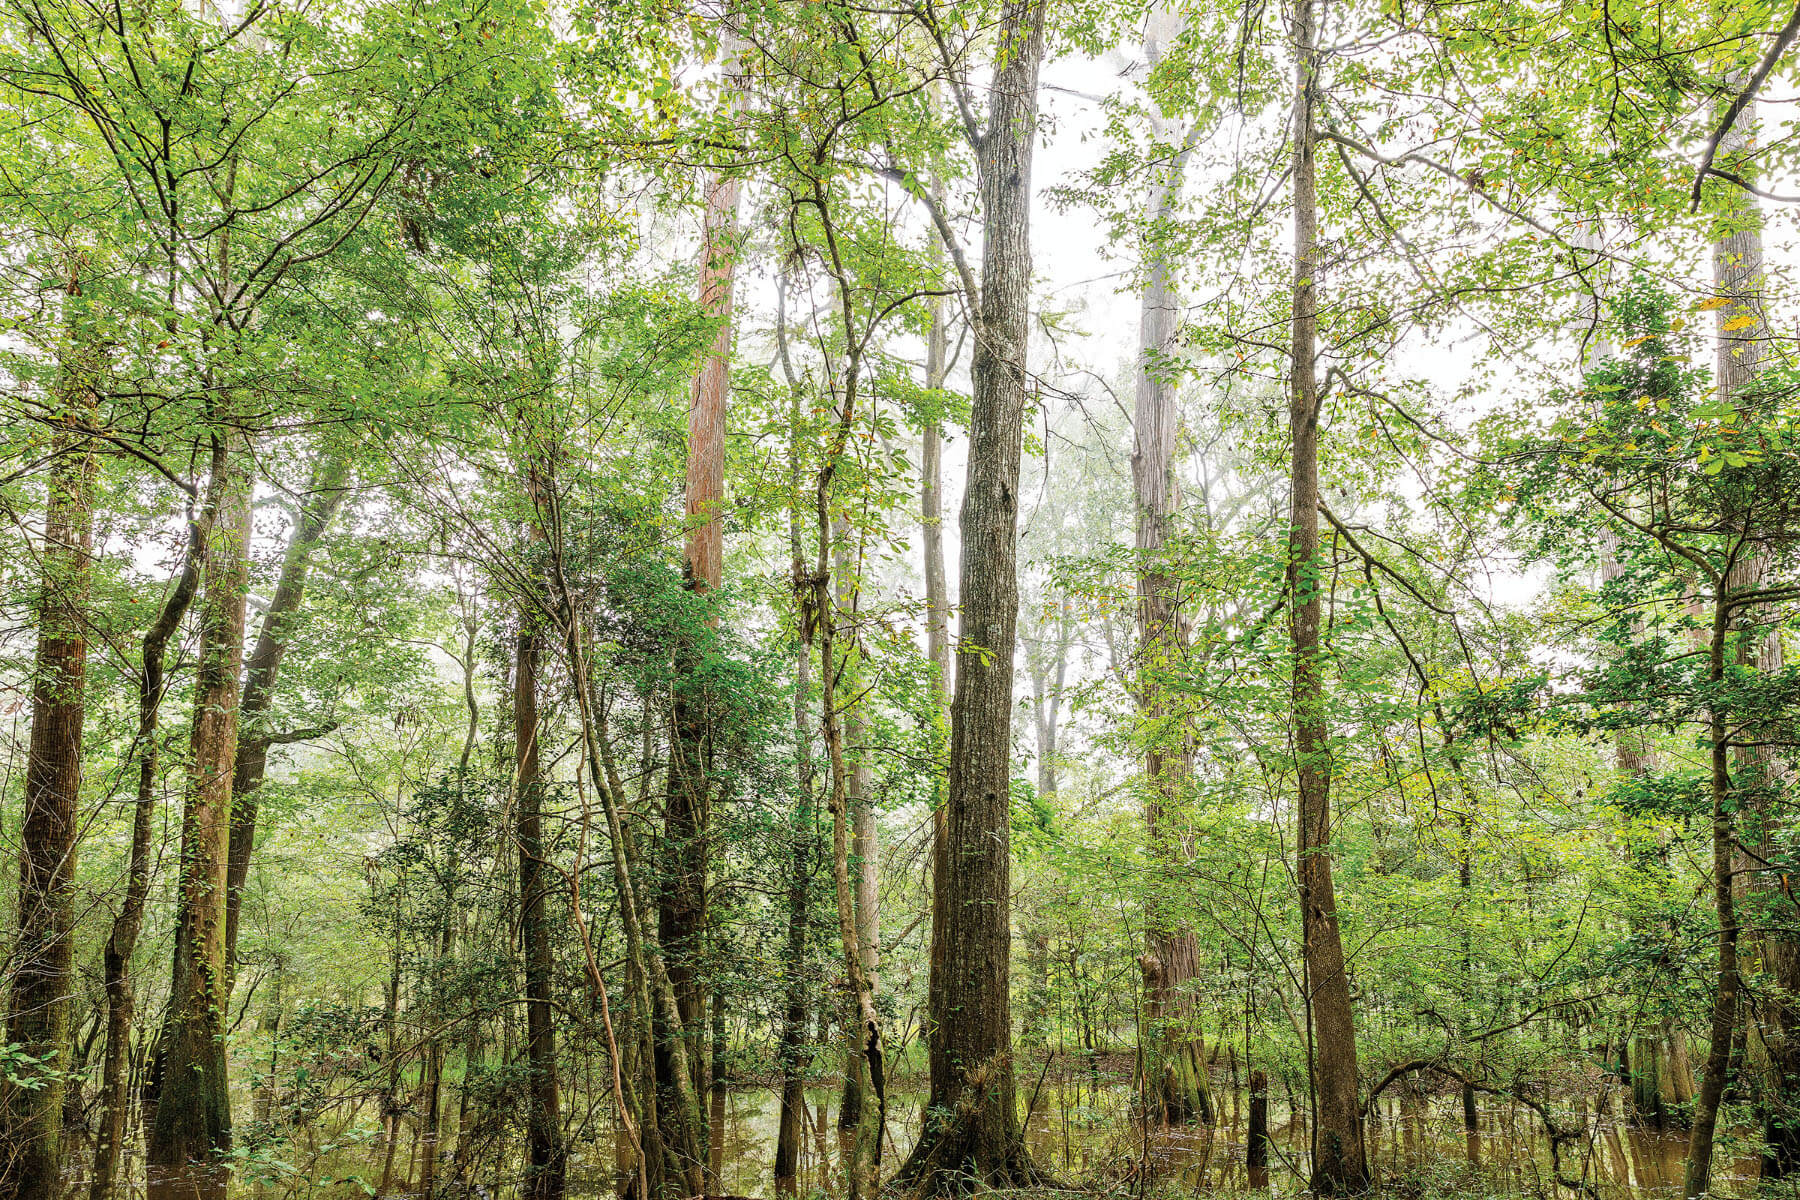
x,y
775,598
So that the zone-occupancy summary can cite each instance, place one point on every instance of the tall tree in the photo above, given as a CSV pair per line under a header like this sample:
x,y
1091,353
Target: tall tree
x,y
190,1138
1771,950
43,985
546,1158
1175,1089
792,1052
1339,1161
971,1123
681,914
121,942
937,587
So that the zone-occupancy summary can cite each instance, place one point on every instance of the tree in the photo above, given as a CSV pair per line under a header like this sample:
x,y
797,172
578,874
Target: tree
x,y
1175,1059
546,1165
971,1126
189,1143
1759,770
1694,489
1339,1161
37,1019
323,497
681,917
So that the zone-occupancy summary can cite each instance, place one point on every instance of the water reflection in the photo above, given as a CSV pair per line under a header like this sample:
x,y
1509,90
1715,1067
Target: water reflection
x,y
1084,1131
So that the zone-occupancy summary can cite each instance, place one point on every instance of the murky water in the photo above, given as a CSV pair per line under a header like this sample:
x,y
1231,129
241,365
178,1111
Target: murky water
x,y
1084,1131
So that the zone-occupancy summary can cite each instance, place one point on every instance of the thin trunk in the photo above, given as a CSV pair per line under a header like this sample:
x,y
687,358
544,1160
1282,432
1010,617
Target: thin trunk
x,y
190,1139
431,1087
390,1019
672,1131
1339,1161
801,846
971,1126
431,1084
324,495
862,1140
37,1020
1047,680
1465,882
121,942
793,1053
1725,995
937,590
864,842
546,1162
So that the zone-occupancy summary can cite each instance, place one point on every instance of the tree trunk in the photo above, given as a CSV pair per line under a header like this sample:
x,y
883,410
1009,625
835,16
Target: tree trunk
x,y
794,1058
37,1020
1256,1144
1726,982
1175,1091
865,1068
681,912
1771,950
190,1139
324,495
864,841
121,942
937,592
971,1125
546,1160
672,1131
1047,663
1339,1161
793,1054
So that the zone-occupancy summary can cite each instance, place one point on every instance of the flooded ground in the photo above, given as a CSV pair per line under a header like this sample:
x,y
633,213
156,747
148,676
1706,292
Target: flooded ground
x,y
1084,1132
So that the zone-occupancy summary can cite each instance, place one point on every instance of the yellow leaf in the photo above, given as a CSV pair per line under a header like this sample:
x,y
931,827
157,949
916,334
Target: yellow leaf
x,y
1737,323
1713,302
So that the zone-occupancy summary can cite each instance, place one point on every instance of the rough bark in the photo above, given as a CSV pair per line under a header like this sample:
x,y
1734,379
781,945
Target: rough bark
x,y
1256,1144
190,1138
1175,1091
121,943
1339,1163
546,1159
681,910
705,553
865,1065
1771,950
864,840
792,1052
972,1133
43,983
262,671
